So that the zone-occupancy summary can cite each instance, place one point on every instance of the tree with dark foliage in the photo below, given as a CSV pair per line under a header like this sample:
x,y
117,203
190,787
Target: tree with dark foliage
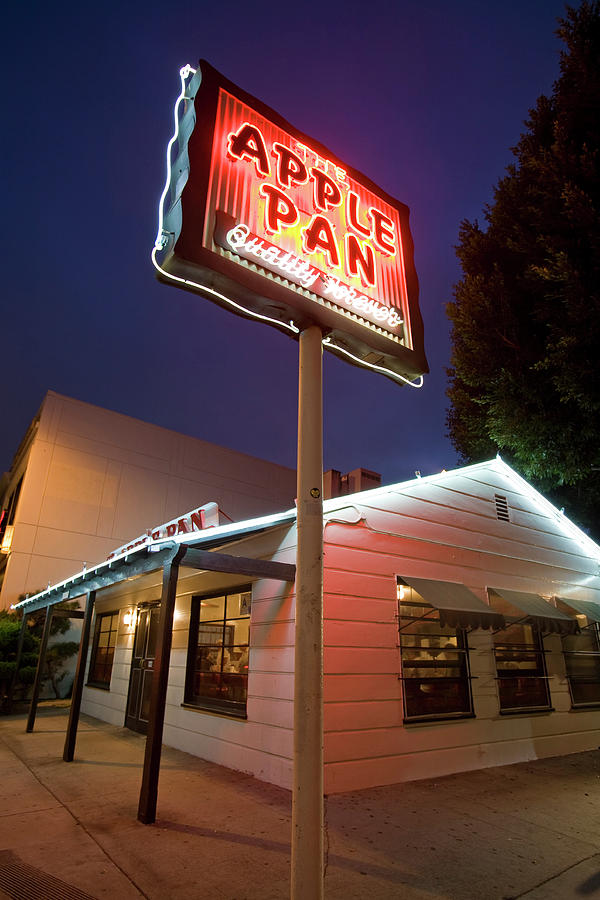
x,y
10,627
525,376
57,654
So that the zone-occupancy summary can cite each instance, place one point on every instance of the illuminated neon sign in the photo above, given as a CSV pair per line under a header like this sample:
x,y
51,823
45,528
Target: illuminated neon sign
x,y
266,221
206,516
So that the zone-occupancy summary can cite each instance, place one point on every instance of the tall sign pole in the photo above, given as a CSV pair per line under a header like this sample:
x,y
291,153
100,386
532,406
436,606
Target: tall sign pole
x,y
270,224
307,796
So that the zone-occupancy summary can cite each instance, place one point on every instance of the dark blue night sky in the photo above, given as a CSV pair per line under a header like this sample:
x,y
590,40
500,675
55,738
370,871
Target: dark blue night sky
x,y
425,97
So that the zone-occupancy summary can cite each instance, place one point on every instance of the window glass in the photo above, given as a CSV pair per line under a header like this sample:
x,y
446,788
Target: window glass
x,y
582,662
213,608
140,637
217,671
434,659
7,518
153,632
14,500
103,649
521,668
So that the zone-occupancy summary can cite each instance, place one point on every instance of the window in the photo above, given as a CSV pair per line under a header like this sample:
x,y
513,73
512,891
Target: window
x,y
7,518
103,649
521,668
435,663
217,667
582,661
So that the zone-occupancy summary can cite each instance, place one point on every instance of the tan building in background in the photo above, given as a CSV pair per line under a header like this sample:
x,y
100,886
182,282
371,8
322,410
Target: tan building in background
x,y
86,479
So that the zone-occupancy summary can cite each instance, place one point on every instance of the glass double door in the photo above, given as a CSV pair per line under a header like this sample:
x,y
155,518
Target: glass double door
x,y
142,667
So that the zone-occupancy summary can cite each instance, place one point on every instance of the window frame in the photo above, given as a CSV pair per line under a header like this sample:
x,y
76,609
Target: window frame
x,y
534,651
191,700
100,616
461,649
592,628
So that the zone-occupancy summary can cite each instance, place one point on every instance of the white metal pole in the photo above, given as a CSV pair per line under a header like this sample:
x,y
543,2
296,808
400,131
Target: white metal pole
x,y
307,796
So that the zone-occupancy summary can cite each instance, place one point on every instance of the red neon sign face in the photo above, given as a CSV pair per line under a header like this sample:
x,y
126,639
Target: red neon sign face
x,y
279,205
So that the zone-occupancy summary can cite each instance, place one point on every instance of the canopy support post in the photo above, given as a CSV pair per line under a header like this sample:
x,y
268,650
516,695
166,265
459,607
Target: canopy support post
x,y
158,696
40,669
71,735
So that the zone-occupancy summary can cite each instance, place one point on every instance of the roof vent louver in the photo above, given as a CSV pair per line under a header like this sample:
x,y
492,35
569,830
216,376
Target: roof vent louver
x,y
502,508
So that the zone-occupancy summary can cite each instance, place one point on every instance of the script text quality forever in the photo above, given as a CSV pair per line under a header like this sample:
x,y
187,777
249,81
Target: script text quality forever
x,y
240,240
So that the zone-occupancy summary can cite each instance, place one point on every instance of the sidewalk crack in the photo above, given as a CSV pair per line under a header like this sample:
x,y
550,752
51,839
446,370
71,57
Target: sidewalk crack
x,y
550,878
27,812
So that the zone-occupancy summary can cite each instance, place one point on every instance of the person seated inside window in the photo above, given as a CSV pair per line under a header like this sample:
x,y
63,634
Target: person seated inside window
x,y
241,664
448,652
437,667
219,656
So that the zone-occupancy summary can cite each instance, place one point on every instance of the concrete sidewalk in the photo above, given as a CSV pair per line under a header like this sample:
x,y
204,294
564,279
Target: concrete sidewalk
x,y
69,830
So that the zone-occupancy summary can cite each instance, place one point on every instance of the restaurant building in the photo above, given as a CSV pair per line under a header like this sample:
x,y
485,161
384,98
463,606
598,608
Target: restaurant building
x,y
461,630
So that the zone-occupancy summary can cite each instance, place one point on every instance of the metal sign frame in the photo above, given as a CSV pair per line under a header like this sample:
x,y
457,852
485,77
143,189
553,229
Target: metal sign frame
x,y
269,223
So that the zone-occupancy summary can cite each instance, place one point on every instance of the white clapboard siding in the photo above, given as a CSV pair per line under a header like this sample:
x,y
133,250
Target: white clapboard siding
x,y
447,530
442,561
442,527
262,743
503,539
341,687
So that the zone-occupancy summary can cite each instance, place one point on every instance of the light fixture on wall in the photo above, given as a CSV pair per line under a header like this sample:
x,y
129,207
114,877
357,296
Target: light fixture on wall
x,y
129,618
7,539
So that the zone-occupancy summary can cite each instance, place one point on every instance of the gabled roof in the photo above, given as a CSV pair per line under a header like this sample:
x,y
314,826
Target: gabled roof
x,y
486,477
148,558
350,508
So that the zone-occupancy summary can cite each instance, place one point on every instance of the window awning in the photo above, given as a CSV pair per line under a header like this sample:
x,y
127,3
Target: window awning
x,y
458,606
540,612
585,607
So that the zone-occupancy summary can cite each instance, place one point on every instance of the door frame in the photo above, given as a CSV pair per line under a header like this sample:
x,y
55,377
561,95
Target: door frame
x,y
134,723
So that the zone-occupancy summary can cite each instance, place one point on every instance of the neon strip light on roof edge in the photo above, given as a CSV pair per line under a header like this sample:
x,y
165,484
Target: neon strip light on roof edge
x,y
567,525
208,534
329,506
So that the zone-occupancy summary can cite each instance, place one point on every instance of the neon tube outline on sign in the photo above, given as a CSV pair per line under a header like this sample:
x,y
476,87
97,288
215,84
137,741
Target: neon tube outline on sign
x,y
162,240
239,238
247,144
